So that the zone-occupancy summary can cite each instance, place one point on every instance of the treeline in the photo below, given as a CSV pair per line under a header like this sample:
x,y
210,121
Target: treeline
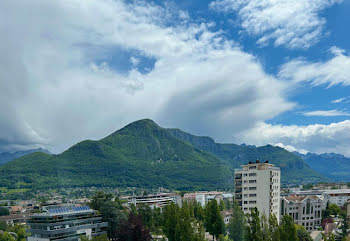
x,y
192,222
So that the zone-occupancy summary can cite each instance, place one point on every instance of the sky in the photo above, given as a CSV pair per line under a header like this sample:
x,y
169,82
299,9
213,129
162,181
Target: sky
x,y
241,71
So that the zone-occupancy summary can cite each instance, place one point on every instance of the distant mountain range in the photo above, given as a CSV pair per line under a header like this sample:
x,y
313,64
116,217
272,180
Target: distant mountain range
x,y
9,156
143,154
334,166
293,168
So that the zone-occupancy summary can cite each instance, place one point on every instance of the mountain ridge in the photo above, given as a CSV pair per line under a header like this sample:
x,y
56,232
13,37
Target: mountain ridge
x,y
141,154
9,156
334,166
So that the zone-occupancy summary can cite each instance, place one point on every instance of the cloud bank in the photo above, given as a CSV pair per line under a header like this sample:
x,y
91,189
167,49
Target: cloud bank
x,y
59,86
290,23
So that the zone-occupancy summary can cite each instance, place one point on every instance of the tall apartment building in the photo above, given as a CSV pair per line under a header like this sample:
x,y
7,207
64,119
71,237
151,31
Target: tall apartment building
x,y
258,185
305,210
65,224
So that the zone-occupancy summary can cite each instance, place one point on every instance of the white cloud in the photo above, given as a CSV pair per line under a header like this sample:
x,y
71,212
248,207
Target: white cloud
x,y
135,61
326,113
292,23
291,148
55,93
315,138
332,72
340,100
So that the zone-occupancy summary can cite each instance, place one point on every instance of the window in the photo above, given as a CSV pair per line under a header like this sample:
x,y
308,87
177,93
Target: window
x,y
252,188
252,195
252,181
252,174
252,202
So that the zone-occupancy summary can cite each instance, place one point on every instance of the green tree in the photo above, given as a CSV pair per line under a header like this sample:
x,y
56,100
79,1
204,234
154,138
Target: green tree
x,y
344,227
4,211
3,226
334,209
288,230
303,235
20,230
328,237
111,211
214,223
198,212
265,228
171,213
94,238
5,236
274,228
179,225
222,205
236,224
253,229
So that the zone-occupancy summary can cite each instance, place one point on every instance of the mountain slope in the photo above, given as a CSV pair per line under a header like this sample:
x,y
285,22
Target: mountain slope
x,y
334,166
293,168
9,156
142,154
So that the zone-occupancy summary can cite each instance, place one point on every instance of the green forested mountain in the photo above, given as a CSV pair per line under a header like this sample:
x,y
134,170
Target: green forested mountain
x,y
142,154
293,168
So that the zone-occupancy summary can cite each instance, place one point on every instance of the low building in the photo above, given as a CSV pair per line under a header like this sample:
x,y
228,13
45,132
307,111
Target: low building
x,y
14,219
204,197
155,200
226,216
65,224
305,210
337,196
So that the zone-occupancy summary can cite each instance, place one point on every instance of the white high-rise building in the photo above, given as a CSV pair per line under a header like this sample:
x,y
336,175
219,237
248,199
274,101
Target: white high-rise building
x,y
258,185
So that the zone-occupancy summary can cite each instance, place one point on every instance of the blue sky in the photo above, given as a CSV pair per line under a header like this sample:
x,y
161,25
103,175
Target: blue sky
x,y
242,71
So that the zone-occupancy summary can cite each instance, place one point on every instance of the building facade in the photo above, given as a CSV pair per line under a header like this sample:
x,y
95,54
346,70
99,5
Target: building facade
x,y
258,185
305,210
155,200
65,224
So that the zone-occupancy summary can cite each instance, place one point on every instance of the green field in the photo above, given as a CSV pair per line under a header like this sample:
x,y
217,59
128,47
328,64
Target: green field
x,y
12,191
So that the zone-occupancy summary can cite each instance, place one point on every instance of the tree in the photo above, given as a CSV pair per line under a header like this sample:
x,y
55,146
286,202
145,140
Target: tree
x,y
328,237
344,227
303,235
265,228
334,209
180,225
5,236
236,224
111,211
170,220
214,223
4,211
3,226
253,229
20,230
94,238
287,229
274,228
133,229
222,205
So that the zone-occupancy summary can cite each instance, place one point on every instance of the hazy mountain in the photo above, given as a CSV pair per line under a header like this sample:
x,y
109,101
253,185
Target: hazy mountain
x,y
9,156
334,166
